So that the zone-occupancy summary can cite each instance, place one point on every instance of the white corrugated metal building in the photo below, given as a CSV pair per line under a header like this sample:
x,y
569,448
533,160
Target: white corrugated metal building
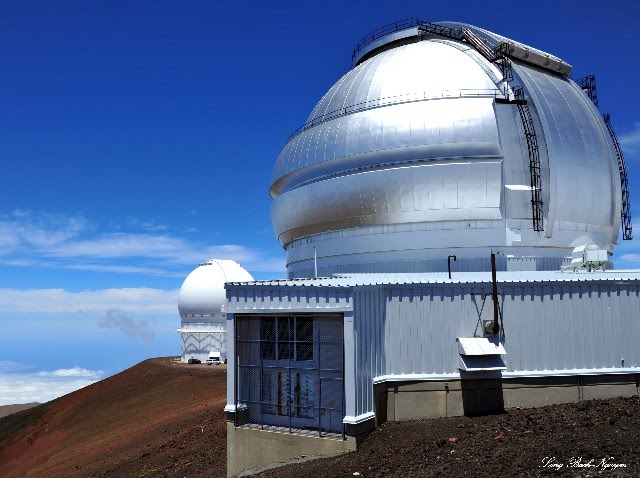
x,y
567,337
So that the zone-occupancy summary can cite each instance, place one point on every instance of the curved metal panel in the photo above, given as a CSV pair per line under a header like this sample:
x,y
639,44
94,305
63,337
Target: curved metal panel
x,y
425,130
580,163
400,74
434,192
401,34
202,292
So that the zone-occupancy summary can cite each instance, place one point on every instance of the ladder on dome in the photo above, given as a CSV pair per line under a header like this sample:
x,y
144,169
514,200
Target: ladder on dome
x,y
534,158
500,57
625,213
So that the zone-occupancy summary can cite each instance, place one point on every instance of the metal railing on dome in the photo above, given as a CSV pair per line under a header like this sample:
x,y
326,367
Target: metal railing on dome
x,y
405,24
497,56
588,85
396,100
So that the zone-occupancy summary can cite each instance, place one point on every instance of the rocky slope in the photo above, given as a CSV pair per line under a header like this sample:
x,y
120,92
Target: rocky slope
x,y
154,419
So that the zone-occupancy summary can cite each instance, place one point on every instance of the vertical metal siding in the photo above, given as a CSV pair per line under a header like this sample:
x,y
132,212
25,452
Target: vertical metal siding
x,y
369,325
411,329
406,330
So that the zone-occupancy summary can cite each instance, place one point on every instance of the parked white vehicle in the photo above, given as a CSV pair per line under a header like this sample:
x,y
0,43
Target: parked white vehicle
x,y
214,359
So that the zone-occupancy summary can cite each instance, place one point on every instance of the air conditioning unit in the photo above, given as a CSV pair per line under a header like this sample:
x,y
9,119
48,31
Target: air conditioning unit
x,y
588,257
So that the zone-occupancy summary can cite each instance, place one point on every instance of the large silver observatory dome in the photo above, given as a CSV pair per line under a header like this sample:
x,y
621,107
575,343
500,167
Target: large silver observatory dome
x,y
446,139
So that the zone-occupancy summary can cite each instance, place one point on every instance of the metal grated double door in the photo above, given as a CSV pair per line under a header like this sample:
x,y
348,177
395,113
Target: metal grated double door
x,y
289,372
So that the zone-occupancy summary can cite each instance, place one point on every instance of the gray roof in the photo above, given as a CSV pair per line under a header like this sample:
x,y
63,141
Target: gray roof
x,y
353,280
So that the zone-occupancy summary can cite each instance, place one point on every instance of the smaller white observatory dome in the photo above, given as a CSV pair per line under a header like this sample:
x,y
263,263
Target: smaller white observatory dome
x,y
203,327
202,293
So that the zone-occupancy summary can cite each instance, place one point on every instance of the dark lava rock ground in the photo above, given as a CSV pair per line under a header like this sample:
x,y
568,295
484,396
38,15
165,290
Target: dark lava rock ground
x,y
512,444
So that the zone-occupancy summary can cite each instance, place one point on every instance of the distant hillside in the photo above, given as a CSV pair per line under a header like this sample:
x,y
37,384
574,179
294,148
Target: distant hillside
x,y
9,409
150,420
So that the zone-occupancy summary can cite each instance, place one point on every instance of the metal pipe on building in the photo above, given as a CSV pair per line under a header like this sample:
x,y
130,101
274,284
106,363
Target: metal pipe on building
x,y
494,294
315,262
455,259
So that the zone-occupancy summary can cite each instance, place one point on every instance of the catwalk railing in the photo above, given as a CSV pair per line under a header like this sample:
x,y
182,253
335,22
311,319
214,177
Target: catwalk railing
x,y
588,85
405,24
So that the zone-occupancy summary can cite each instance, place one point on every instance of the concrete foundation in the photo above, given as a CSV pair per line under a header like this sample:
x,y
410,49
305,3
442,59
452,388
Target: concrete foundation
x,y
397,401
250,450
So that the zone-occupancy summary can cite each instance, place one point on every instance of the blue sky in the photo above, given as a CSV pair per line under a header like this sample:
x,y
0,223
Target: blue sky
x,y
137,140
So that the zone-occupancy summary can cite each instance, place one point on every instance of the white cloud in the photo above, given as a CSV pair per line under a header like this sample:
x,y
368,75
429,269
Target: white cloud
x,y
123,245
44,386
147,225
630,140
74,372
170,249
148,271
27,229
141,299
28,239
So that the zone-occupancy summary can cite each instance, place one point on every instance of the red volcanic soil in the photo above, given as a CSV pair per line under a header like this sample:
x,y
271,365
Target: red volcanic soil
x,y
156,419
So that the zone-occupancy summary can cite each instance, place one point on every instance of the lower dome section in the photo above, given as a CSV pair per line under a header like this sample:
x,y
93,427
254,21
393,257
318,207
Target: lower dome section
x,y
425,247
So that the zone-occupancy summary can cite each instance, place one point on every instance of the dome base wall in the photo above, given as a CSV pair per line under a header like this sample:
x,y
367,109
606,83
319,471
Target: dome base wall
x,y
410,248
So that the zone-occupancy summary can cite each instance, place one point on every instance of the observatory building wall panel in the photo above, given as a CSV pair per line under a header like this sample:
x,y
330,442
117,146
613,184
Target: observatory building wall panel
x,y
275,299
199,343
407,333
